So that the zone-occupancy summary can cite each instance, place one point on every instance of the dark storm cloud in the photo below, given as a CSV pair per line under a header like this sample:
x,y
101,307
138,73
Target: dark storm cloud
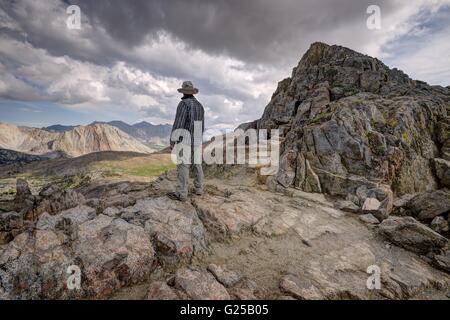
x,y
268,32
256,31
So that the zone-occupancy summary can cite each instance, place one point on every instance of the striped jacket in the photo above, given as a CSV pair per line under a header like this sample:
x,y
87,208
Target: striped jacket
x,y
188,111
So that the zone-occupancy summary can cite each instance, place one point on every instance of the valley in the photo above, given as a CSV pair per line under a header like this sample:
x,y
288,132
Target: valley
x,y
101,167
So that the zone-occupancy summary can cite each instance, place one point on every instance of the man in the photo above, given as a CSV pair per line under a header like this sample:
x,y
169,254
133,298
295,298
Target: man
x,y
189,112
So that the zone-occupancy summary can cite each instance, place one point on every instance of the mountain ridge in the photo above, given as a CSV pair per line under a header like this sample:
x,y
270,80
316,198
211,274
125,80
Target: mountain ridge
x,y
78,141
154,136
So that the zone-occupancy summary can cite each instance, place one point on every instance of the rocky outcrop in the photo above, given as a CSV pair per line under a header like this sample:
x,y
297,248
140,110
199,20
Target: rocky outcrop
x,y
346,120
117,242
301,289
160,290
11,224
200,285
439,224
175,228
54,199
195,283
114,253
223,217
442,260
24,200
410,234
51,199
33,266
324,252
428,205
110,253
369,218
226,277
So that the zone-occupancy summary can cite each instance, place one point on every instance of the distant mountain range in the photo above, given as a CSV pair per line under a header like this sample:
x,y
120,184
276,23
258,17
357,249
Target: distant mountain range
x,y
73,142
154,136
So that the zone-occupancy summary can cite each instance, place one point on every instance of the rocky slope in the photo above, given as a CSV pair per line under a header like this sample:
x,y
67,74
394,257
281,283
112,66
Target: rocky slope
x,y
143,131
352,127
238,241
23,139
76,142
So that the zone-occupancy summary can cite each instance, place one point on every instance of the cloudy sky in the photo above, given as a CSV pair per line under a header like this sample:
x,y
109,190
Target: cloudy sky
x,y
129,57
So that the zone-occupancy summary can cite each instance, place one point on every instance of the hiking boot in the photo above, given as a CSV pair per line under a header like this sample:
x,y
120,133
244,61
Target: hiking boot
x,y
198,192
176,196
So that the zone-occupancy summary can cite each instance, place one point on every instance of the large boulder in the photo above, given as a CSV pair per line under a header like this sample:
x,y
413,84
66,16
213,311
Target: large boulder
x,y
226,277
410,234
113,254
244,290
200,285
34,266
439,224
286,173
175,228
377,200
443,135
67,221
159,290
300,288
442,168
442,260
428,205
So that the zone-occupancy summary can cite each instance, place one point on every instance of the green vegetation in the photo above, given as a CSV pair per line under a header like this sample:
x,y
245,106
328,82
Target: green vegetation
x,y
322,117
358,101
151,170
75,181
372,139
392,123
447,132
6,206
406,137
141,167
350,92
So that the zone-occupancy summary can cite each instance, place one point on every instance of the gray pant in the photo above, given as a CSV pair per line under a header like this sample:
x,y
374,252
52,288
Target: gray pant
x,y
183,179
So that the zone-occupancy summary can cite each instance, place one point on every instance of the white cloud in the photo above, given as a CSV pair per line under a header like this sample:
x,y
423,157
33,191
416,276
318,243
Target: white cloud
x,y
430,62
89,69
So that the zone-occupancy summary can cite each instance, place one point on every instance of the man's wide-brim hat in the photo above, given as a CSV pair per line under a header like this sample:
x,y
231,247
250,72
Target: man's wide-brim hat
x,y
188,88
